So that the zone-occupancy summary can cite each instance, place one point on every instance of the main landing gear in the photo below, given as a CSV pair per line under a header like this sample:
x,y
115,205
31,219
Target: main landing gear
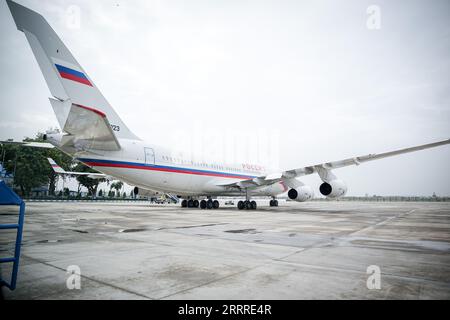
x,y
209,204
204,204
247,205
190,203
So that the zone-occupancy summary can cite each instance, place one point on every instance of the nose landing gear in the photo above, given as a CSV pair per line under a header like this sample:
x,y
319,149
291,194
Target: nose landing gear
x,y
274,203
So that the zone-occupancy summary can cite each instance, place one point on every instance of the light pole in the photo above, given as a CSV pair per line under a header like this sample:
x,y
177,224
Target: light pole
x,y
4,153
14,174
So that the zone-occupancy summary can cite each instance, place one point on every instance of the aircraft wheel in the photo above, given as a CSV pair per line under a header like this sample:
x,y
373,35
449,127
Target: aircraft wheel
x,y
203,204
209,204
275,203
190,203
254,205
271,203
216,204
184,203
196,203
241,205
248,205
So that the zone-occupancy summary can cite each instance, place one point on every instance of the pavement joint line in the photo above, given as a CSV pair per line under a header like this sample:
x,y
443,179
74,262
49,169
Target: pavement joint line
x,y
269,261
385,248
191,227
381,223
290,255
90,279
349,270
208,237
209,282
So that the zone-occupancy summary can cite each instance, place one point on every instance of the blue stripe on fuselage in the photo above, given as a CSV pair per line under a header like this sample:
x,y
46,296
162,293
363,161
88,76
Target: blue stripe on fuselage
x,y
136,165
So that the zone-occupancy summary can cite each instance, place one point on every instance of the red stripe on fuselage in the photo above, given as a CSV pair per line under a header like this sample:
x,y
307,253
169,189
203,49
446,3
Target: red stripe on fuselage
x,y
75,78
128,166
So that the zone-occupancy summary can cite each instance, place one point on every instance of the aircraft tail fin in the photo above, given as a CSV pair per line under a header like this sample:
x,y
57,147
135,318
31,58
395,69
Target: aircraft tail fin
x,y
65,77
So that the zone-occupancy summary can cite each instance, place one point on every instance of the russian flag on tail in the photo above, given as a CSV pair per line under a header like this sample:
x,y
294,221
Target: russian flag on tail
x,y
73,75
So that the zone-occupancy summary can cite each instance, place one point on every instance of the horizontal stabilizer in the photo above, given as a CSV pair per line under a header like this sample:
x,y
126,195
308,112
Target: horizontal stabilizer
x,y
42,145
60,170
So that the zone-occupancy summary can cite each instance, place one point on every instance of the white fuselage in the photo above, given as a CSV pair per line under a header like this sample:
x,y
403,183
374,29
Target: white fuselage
x,y
152,167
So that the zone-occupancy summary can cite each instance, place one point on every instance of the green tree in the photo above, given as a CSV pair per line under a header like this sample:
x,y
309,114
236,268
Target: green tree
x,y
66,192
28,165
79,189
117,185
63,160
89,183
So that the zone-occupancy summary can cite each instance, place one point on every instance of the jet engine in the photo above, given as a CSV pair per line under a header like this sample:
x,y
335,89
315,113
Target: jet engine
x,y
54,137
301,194
333,189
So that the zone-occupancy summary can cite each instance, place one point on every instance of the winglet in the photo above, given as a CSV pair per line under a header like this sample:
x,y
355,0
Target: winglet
x,y
55,166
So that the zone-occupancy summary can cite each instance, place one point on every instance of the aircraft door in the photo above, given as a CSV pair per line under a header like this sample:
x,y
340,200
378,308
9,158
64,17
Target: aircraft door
x,y
149,156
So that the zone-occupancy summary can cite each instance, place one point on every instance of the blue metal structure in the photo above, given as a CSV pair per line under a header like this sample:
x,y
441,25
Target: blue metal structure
x,y
9,198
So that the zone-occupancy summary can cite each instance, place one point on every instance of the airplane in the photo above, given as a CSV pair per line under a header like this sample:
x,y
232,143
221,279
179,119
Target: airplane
x,y
93,133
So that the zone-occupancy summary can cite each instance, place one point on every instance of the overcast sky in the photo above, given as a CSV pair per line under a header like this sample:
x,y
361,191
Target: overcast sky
x,y
307,79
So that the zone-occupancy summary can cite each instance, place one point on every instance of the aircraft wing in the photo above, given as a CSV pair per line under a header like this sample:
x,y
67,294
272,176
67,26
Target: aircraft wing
x,y
89,175
288,177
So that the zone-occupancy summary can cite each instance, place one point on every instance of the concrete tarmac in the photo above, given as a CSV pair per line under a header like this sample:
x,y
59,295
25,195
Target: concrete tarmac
x,y
315,250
